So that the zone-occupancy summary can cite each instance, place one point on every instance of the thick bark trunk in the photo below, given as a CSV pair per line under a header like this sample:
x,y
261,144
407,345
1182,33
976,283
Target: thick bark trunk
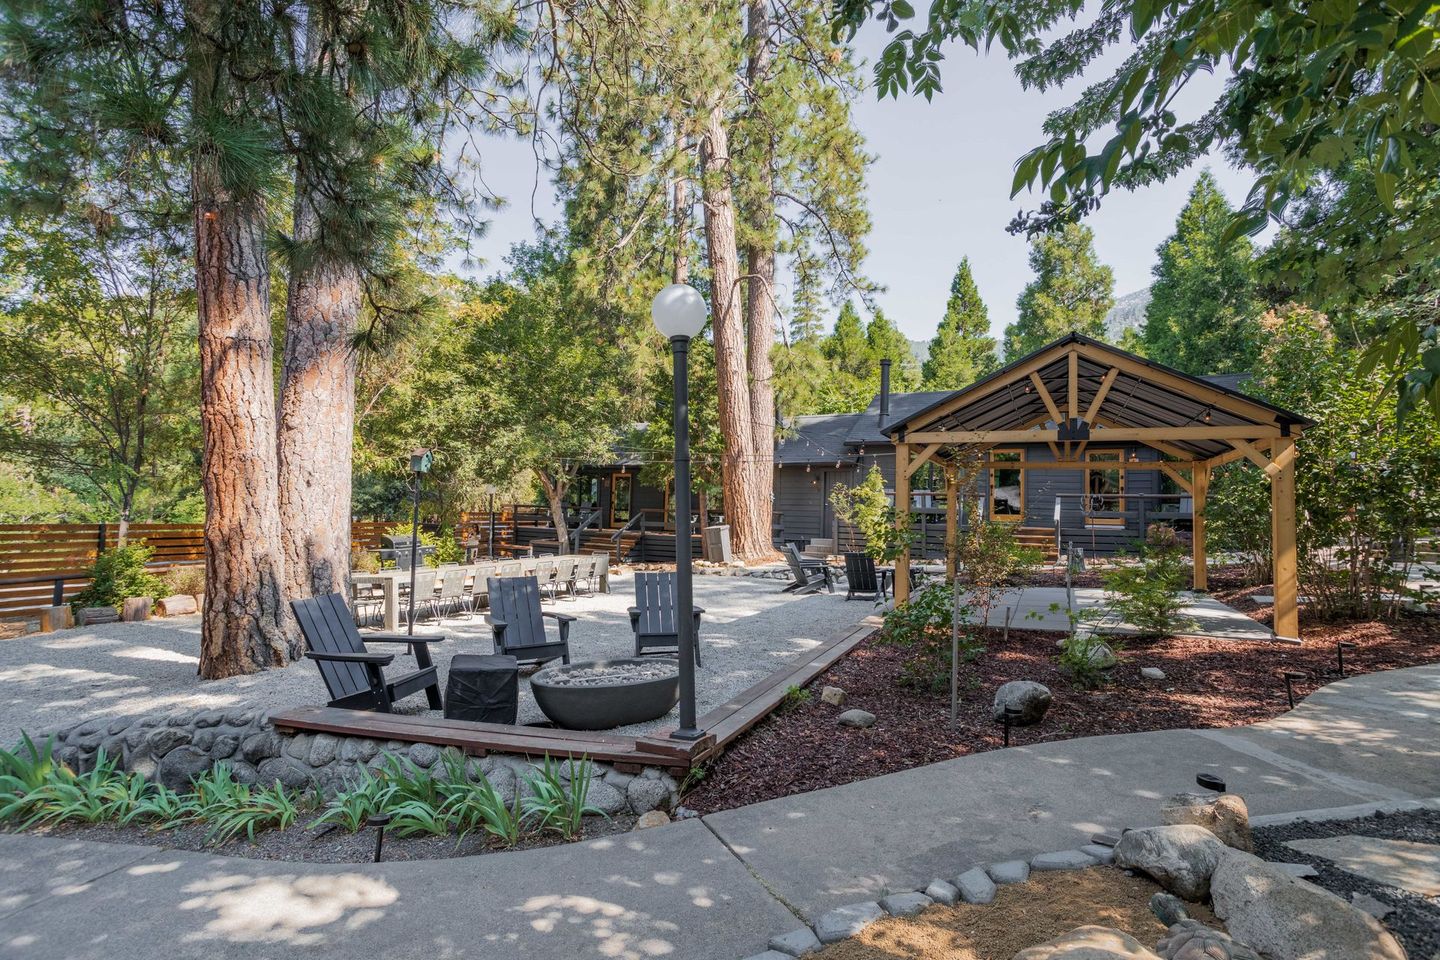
x,y
744,497
246,621
317,416
760,286
555,495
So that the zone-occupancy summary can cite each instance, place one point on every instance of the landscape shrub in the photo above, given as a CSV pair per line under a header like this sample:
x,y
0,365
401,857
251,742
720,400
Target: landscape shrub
x,y
1147,594
35,790
867,507
188,580
923,625
365,561
1081,656
117,574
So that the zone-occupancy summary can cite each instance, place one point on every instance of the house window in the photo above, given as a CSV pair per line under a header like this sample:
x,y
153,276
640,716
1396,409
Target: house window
x,y
1007,487
1174,494
1105,487
621,491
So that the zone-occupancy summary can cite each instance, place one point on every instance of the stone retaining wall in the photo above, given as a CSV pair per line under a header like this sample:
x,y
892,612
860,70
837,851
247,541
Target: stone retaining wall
x,y
173,748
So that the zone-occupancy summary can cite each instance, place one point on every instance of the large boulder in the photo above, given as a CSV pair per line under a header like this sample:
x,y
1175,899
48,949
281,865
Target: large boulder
x,y
1224,815
1180,858
1089,943
1288,919
1029,698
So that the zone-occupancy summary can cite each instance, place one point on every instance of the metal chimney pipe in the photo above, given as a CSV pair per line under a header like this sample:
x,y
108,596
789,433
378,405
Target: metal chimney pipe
x,y
884,390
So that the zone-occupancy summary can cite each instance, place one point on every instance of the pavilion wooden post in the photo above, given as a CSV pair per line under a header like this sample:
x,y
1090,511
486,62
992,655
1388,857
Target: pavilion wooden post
x,y
952,521
1199,492
1282,525
902,520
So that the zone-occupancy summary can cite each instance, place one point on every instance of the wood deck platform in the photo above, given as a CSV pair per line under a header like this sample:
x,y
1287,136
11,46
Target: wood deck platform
x,y
722,725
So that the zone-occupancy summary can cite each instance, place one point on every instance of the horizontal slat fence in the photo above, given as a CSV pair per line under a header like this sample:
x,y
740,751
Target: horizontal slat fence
x,y
33,556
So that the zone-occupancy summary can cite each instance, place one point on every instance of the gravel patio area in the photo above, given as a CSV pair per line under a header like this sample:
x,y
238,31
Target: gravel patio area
x,y
750,629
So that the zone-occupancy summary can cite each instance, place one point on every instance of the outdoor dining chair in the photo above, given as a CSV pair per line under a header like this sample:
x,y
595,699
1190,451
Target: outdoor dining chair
x,y
518,622
565,576
545,575
354,677
424,599
451,595
863,580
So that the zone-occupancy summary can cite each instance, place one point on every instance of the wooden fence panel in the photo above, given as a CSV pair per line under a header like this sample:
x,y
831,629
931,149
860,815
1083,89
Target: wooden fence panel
x,y
33,556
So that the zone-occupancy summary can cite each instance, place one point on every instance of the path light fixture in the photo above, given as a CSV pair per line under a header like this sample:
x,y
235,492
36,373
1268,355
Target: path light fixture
x,y
1209,781
1290,677
679,314
379,821
1011,719
420,460
1340,649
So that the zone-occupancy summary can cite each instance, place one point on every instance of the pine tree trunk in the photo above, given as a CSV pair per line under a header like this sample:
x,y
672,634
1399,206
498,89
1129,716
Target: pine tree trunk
x,y
743,496
245,621
317,416
760,265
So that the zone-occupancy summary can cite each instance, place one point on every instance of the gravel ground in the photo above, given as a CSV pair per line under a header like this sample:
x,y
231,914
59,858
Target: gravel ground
x,y
750,629
1416,920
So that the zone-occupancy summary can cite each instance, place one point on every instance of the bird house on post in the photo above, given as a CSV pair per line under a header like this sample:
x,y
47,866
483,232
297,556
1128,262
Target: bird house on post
x,y
420,460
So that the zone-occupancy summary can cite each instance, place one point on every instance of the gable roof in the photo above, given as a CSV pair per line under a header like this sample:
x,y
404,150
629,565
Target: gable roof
x,y
867,427
1140,395
816,439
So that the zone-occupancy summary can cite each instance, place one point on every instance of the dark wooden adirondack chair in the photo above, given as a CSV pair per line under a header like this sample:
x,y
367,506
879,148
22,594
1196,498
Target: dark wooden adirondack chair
x,y
863,580
810,575
653,616
354,676
517,620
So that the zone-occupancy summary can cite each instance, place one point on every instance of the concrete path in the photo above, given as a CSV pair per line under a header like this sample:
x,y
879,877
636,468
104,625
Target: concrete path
x,y
1044,608
717,889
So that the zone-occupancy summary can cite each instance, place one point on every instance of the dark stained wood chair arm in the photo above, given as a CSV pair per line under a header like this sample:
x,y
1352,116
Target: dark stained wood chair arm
x,y
381,659
562,617
698,609
401,638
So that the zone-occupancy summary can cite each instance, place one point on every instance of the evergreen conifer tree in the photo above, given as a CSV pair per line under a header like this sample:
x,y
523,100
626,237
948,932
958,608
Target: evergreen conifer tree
x,y
1072,291
962,350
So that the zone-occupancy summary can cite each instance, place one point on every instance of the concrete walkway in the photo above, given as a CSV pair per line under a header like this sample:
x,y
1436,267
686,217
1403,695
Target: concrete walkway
x,y
715,889
1044,608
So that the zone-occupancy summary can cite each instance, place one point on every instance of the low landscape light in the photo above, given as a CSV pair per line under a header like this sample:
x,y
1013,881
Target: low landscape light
x,y
1290,677
1209,781
379,821
1340,649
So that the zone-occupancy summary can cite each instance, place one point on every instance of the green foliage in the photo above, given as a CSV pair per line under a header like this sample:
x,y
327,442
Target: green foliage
x,y
867,507
962,350
795,697
365,561
229,808
480,806
884,341
1147,593
1203,317
118,573
1072,291
559,805
1238,516
987,555
923,625
351,808
1334,110
188,579
1082,655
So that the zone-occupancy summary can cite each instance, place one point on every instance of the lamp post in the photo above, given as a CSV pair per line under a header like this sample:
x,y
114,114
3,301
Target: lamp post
x,y
490,506
420,459
679,314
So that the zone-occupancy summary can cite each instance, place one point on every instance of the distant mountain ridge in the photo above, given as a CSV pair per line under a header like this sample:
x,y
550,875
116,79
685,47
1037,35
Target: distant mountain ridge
x,y
1127,314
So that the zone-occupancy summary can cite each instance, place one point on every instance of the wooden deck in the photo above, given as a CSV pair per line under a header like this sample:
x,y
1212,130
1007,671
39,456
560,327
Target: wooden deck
x,y
722,725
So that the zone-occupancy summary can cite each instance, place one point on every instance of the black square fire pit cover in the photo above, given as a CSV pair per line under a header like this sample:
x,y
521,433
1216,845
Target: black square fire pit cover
x,y
484,688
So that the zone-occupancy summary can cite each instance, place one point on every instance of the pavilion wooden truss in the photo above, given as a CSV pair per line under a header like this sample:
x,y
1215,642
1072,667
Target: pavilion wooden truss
x,y
1078,392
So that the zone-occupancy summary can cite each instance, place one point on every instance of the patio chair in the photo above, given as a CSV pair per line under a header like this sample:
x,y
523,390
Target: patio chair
x,y
518,624
479,588
355,677
810,575
863,580
451,595
653,618
368,603
545,575
511,568
424,599
565,568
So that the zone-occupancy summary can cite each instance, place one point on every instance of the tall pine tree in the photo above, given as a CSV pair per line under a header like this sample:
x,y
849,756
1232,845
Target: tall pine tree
x,y
884,341
1203,316
1072,291
962,350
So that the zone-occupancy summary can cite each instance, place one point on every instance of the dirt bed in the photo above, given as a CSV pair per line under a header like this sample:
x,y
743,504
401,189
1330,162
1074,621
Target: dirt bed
x,y
1209,683
1021,916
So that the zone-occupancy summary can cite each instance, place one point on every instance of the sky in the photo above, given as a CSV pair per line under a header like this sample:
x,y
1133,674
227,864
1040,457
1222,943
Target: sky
x,y
938,191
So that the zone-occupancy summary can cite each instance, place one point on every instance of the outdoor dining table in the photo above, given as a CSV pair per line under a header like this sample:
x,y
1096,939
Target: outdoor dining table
x,y
389,582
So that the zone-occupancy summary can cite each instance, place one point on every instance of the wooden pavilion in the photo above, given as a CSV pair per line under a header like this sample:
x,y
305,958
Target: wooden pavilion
x,y
1079,393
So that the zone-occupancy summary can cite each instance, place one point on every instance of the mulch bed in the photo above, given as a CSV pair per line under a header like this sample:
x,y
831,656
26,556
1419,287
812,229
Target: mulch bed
x,y
1209,683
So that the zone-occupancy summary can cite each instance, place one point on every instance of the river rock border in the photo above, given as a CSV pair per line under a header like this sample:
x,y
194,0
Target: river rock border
x,y
173,748
976,885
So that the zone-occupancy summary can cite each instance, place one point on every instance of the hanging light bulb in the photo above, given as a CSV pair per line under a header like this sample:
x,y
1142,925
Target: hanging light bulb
x,y
1207,414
